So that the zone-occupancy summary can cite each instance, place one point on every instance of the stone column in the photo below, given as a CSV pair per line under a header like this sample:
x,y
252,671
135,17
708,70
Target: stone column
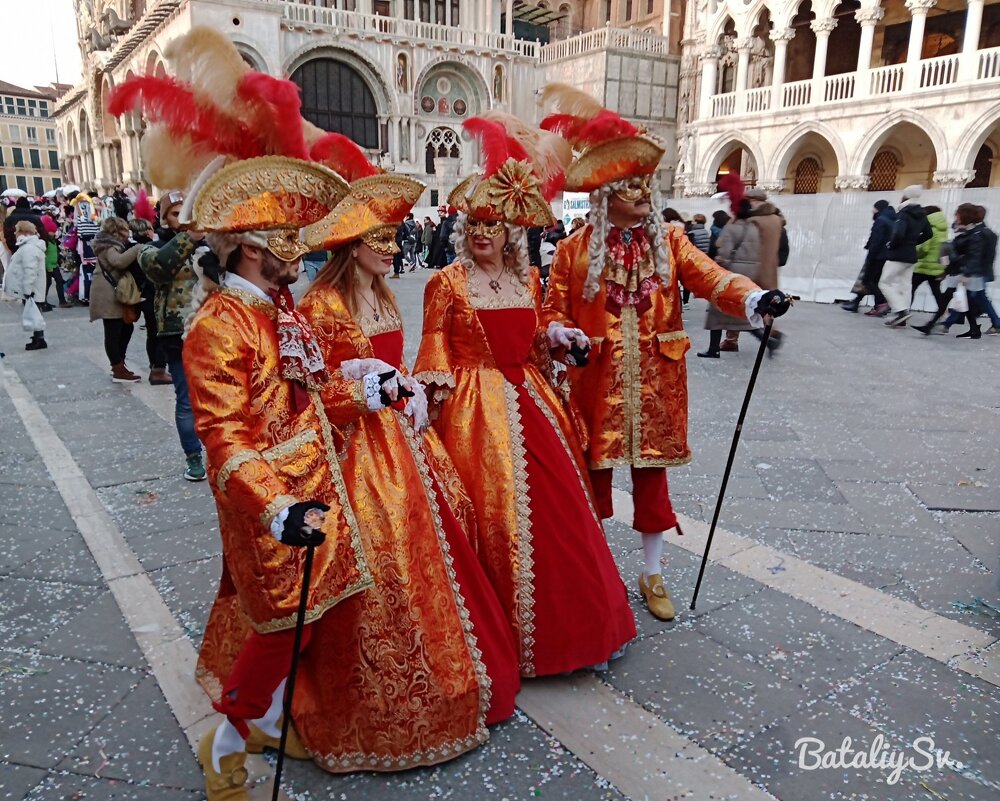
x,y
509,16
709,79
743,47
918,12
969,67
781,37
867,18
822,28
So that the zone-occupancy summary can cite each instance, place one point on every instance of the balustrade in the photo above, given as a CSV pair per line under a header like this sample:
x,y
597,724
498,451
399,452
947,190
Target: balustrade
x,y
939,71
838,87
797,93
887,80
724,105
759,99
989,64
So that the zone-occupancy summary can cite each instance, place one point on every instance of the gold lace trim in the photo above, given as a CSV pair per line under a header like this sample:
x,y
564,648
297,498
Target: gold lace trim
x,y
720,287
670,336
436,378
637,462
289,446
475,654
234,463
523,299
276,506
371,328
631,383
250,300
546,411
524,580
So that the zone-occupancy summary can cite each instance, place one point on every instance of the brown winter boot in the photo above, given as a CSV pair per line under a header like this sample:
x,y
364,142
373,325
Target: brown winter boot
x,y
120,374
158,376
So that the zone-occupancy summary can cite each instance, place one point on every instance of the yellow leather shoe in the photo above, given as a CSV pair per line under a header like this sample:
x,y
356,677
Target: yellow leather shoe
x,y
229,784
258,741
657,597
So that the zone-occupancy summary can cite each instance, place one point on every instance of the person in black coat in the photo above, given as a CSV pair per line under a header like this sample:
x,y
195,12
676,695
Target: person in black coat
x,y
883,218
22,211
909,230
972,253
443,251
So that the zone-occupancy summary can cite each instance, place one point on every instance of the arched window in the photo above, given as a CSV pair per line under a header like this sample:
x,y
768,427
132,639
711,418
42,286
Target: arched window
x,y
336,98
807,176
441,143
882,176
983,167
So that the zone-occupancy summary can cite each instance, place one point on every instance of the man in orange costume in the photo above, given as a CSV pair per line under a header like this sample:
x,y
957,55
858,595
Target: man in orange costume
x,y
616,279
265,406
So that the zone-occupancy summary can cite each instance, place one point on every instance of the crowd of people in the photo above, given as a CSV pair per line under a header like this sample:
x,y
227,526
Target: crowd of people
x,y
452,515
909,246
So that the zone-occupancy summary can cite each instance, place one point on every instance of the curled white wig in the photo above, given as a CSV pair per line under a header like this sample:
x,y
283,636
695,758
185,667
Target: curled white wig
x,y
516,258
597,249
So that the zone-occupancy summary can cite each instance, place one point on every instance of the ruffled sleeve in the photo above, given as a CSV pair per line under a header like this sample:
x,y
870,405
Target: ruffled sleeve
x,y
433,367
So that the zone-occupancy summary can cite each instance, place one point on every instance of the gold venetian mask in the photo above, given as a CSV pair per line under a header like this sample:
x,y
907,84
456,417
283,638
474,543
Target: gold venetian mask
x,y
490,229
287,246
382,240
635,190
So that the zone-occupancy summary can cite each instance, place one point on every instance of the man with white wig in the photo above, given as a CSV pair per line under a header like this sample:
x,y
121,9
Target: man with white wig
x,y
617,280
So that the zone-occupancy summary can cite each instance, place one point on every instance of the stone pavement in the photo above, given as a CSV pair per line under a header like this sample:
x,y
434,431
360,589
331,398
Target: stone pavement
x,y
858,599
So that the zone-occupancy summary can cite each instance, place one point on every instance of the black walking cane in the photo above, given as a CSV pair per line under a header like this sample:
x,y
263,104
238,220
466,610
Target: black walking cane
x,y
300,622
732,454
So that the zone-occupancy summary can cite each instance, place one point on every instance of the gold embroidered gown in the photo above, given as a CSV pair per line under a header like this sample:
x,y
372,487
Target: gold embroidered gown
x,y
538,536
413,669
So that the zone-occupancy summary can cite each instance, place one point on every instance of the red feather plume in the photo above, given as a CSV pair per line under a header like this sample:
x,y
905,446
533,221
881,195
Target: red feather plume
x,y
498,145
583,133
567,126
275,107
177,107
143,208
343,156
733,186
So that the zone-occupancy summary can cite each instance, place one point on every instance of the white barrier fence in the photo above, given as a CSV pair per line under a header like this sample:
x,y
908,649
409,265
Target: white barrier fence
x,y
827,233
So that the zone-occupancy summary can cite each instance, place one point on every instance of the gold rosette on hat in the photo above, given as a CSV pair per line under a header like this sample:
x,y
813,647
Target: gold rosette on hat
x,y
609,147
523,172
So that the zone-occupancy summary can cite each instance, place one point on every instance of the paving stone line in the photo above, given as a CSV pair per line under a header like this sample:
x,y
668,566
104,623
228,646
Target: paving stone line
x,y
559,709
937,637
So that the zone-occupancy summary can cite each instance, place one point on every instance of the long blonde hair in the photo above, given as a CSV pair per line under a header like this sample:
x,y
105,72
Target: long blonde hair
x,y
341,273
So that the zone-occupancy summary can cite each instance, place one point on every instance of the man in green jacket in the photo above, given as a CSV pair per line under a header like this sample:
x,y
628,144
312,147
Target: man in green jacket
x,y
169,265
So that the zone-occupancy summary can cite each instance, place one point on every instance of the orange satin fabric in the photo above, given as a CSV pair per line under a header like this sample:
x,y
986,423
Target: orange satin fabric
x,y
478,424
262,457
394,676
632,395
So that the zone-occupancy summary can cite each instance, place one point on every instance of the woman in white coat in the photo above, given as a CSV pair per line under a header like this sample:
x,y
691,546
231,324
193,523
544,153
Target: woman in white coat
x,y
26,273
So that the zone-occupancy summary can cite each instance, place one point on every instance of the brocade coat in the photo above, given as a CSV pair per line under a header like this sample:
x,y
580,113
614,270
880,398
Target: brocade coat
x,y
632,395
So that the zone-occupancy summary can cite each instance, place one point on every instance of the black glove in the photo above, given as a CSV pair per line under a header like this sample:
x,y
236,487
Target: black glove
x,y
578,356
775,303
401,391
295,533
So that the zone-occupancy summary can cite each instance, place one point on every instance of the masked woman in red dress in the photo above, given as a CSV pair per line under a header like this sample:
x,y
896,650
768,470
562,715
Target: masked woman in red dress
x,y
488,365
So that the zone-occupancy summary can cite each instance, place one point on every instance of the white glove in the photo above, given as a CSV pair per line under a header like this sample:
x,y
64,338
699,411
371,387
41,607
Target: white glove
x,y
377,391
416,407
355,369
562,337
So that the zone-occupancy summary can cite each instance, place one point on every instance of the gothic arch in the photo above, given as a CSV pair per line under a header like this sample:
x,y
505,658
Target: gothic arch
x,y
879,133
328,47
463,68
717,28
253,54
788,147
723,146
975,136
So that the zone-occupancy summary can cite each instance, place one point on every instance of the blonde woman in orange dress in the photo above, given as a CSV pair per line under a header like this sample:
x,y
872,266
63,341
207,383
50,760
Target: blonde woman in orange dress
x,y
422,662
485,357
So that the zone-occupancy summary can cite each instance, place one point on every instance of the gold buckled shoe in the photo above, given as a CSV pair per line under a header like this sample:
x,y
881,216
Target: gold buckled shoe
x,y
258,741
229,783
657,597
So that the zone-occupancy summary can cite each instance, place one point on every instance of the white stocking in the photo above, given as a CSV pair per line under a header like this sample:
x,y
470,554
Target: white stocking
x,y
269,723
227,741
652,552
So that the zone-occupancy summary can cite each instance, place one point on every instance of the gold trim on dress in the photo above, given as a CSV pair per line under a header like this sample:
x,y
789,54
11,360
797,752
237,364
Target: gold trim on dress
x,y
274,508
234,463
289,446
251,300
721,286
387,322
670,336
631,383
524,572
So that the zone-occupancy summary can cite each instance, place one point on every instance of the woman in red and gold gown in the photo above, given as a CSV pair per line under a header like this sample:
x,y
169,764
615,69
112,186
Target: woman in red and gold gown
x,y
419,665
510,437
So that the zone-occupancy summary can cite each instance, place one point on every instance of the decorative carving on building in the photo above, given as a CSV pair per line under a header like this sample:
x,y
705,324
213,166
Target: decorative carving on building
x,y
847,183
920,6
953,179
869,17
826,26
699,190
781,34
772,186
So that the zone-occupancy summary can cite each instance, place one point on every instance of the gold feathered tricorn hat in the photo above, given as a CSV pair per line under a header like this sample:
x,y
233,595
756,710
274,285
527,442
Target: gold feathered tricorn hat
x,y
523,172
376,199
609,147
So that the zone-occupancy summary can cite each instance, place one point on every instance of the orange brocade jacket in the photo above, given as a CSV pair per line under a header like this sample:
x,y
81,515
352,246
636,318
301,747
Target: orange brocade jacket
x,y
633,393
262,458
